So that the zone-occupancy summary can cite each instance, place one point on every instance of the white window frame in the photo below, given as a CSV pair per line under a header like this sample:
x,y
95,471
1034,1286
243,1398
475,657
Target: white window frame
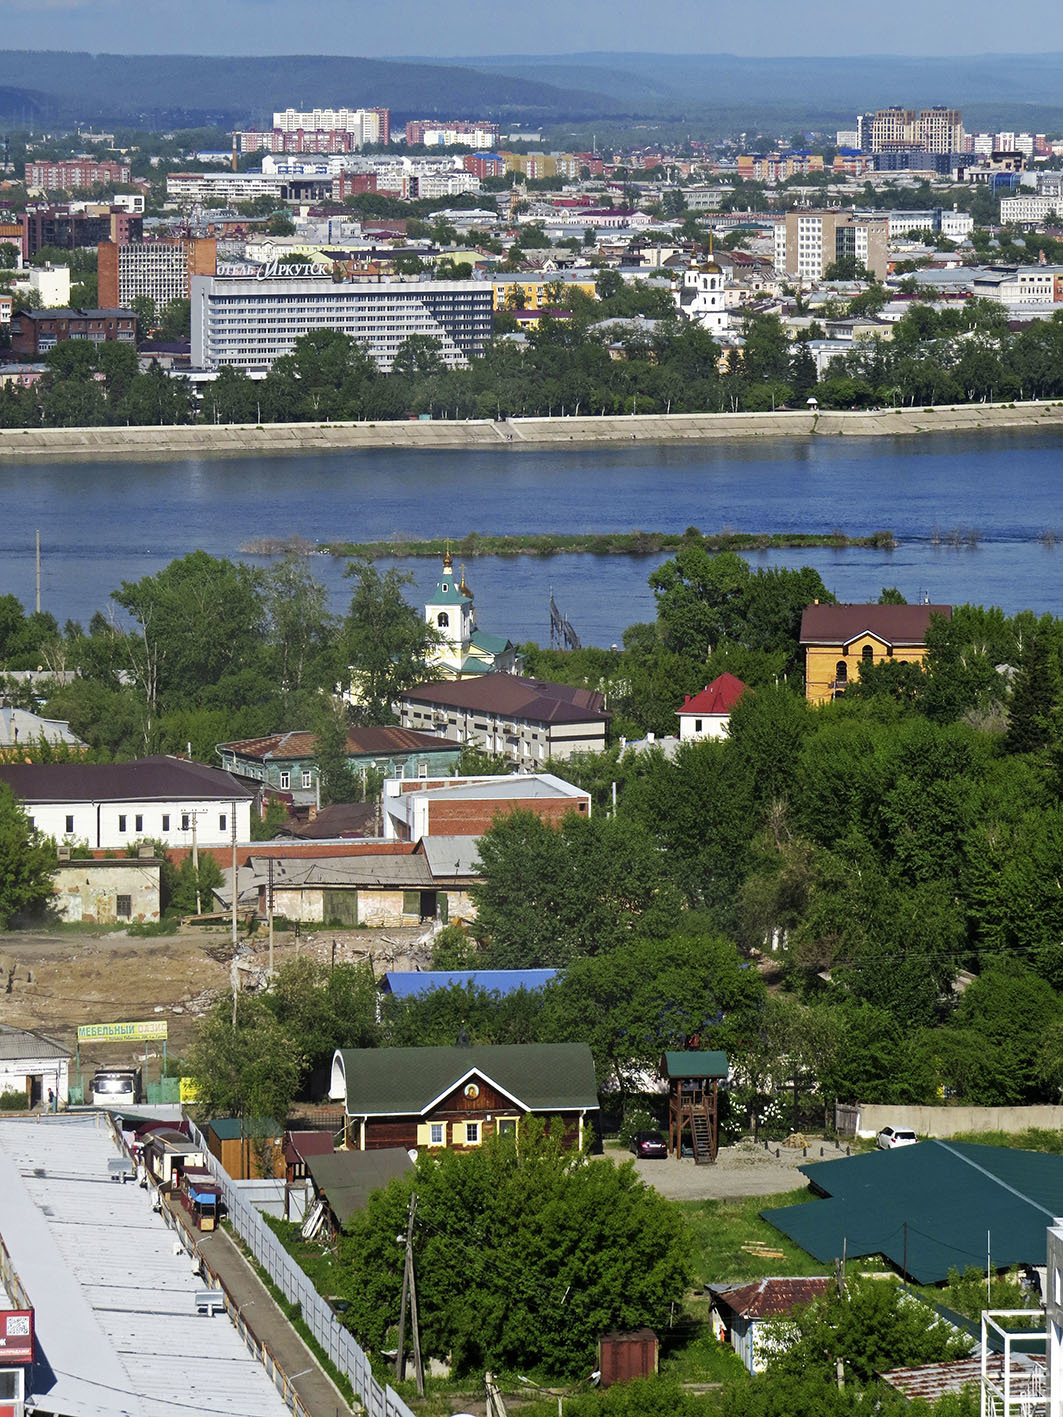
x,y
475,1127
433,1128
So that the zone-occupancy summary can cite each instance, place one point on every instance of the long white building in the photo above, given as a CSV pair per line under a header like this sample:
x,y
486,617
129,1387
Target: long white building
x,y
1029,209
250,321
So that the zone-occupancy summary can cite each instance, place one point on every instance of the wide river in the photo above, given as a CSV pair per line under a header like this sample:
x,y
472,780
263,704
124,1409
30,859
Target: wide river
x,y
102,523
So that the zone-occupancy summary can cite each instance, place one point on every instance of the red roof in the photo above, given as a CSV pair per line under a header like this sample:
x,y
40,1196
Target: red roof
x,y
893,624
299,1145
769,1298
718,697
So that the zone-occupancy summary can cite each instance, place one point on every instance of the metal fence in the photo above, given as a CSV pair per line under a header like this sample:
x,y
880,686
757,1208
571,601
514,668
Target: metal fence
x,y
379,1400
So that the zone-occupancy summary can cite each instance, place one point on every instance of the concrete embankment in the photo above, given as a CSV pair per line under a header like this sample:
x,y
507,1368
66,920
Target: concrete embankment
x,y
247,440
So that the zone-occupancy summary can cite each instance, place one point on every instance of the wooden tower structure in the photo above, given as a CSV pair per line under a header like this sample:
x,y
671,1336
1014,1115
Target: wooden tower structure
x,y
693,1101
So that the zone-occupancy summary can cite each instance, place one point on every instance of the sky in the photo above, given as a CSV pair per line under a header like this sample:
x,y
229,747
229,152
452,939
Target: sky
x,y
425,29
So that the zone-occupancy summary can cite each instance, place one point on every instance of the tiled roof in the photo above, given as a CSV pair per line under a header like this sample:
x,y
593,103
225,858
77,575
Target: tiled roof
x,y
770,1298
534,699
155,778
718,697
894,624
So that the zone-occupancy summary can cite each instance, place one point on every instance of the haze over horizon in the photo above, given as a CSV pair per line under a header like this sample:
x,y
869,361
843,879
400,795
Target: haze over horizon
x,y
822,29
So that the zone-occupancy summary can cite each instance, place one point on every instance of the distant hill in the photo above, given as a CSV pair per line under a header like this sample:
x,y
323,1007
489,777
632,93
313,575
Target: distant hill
x,y
163,90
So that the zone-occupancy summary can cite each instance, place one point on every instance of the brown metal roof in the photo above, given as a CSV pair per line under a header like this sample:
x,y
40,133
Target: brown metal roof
x,y
159,777
381,740
933,1380
770,1298
893,624
535,699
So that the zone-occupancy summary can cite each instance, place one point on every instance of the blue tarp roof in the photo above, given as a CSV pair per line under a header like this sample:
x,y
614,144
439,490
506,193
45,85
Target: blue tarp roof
x,y
930,1206
407,983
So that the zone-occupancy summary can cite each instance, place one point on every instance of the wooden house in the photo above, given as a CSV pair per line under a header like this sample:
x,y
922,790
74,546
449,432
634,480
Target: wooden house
x,y
693,1081
457,1097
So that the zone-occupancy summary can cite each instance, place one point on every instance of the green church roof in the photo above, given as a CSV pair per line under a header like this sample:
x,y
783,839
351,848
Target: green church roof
x,y
453,595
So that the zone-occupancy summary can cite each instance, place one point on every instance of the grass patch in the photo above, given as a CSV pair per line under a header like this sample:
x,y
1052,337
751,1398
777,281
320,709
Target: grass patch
x,y
722,1229
1032,1139
321,1267
691,1352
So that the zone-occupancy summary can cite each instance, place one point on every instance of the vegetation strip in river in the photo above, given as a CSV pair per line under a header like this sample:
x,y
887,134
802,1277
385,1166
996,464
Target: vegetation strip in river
x,y
611,543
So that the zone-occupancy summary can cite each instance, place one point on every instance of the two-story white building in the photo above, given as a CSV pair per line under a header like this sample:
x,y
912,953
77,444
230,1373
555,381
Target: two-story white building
x,y
109,806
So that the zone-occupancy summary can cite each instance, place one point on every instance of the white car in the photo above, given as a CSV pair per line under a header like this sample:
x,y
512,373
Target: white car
x,y
889,1137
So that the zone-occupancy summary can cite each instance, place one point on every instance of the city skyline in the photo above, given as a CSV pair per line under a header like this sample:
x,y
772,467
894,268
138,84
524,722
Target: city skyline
x,y
825,28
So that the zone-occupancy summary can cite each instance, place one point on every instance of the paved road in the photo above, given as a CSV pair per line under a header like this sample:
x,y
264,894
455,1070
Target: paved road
x,y
249,1294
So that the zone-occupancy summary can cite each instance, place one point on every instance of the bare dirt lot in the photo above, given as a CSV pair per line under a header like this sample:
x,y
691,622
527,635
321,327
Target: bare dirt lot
x,y
53,982
746,1169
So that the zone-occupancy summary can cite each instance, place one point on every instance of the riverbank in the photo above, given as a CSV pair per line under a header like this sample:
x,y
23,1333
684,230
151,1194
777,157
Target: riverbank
x,y
243,440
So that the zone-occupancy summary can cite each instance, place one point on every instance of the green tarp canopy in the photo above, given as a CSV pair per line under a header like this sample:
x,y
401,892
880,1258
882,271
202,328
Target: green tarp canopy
x,y
929,1207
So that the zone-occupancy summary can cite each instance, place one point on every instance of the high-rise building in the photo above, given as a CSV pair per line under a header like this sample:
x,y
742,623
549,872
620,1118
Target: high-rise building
x,y
249,322
807,243
434,133
369,125
66,229
931,130
162,269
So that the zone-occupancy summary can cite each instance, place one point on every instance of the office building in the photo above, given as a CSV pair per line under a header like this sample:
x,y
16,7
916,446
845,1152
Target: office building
x,y
223,188
162,269
249,322
807,243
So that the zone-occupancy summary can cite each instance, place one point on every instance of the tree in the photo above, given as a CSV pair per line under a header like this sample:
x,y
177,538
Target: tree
x,y
336,780
384,640
322,1008
248,1071
299,627
525,1254
27,862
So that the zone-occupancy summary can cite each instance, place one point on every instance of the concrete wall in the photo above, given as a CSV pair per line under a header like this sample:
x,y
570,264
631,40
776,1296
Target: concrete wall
x,y
948,1121
243,440
89,890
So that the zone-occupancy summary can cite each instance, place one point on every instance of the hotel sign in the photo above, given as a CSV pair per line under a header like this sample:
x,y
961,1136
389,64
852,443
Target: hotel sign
x,y
292,270
118,1032
16,1336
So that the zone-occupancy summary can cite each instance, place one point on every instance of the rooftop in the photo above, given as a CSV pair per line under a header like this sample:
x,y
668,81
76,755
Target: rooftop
x,y
534,699
894,624
719,697
301,744
114,1304
769,1298
347,1179
160,777
407,983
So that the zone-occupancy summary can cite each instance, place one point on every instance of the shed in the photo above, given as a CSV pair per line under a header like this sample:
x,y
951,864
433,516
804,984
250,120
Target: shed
x,y
624,1356
928,1207
299,1147
246,1147
33,1064
693,1080
344,1181
741,1312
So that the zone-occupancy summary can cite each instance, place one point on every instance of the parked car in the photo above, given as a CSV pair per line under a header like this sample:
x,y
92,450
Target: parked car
x,y
889,1137
649,1144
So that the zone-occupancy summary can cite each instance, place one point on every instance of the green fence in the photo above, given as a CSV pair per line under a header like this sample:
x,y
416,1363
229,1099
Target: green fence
x,y
166,1090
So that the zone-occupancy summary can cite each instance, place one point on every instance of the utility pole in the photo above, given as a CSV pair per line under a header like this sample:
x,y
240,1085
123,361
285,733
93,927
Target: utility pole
x,y
409,1295
269,914
195,862
235,966
38,561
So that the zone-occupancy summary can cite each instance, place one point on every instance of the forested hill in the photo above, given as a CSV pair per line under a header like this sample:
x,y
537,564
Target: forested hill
x,y
158,90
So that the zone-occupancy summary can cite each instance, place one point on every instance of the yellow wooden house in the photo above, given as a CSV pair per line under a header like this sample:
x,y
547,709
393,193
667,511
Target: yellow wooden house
x,y
837,639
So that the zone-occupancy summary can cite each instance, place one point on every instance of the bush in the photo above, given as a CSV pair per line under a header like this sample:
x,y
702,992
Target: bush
x,y
637,1119
13,1101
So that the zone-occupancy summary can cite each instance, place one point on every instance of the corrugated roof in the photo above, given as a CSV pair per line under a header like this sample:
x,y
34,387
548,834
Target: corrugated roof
x,y
718,697
771,1297
159,777
933,1380
541,1077
405,872
348,1178
449,856
929,1206
410,983
233,1128
535,699
680,1064
114,1306
893,624
380,739
21,1043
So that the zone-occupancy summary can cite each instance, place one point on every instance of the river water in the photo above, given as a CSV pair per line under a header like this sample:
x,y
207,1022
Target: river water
x,y
102,523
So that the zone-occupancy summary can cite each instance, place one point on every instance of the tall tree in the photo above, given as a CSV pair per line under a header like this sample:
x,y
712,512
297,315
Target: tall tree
x,y
384,640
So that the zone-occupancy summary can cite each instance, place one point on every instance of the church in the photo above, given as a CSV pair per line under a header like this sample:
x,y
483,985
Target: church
x,y
463,651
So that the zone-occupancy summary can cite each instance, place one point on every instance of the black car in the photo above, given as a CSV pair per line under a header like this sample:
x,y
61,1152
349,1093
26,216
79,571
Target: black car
x,y
649,1144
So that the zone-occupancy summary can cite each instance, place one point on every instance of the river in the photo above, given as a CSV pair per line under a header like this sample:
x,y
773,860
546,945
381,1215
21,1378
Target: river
x,y
102,523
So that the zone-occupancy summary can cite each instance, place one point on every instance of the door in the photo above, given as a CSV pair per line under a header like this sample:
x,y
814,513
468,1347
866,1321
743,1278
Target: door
x,y
341,906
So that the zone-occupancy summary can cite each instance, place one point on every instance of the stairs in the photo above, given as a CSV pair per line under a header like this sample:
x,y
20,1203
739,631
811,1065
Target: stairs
x,y
702,1138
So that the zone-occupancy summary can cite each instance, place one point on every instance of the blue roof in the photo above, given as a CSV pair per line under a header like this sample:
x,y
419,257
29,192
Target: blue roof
x,y
405,984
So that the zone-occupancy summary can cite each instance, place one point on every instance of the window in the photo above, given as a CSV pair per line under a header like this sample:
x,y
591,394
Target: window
x,y
507,1127
308,778
841,671
472,1133
138,822
123,906
697,725
867,654
222,820
286,781
443,620
121,821
411,903
70,824
186,822
166,821
436,1134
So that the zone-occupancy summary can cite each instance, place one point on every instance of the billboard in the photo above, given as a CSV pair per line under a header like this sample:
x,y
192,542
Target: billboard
x,y
16,1336
122,1032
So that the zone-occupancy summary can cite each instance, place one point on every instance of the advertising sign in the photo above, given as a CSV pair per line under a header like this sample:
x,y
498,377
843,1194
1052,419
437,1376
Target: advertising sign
x,y
16,1336
122,1032
189,1091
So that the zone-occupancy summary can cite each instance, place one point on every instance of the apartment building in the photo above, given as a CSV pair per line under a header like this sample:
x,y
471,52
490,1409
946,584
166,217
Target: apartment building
x,y
66,228
34,332
431,132
161,269
807,243
369,125
224,188
71,173
932,130
249,322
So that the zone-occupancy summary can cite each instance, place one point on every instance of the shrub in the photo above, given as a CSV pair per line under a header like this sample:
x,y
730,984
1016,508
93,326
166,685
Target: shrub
x,y
13,1101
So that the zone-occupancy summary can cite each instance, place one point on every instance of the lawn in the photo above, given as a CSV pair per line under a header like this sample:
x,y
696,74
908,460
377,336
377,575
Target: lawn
x,y
731,1242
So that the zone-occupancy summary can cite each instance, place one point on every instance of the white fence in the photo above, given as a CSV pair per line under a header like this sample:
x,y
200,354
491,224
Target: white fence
x,y
291,1279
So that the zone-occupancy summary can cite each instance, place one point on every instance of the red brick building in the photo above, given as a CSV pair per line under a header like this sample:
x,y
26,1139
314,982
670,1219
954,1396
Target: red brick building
x,y
469,806
35,332
74,173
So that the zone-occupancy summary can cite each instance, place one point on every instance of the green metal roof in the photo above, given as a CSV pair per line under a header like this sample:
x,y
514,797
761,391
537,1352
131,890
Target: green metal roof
x,y
405,1082
233,1128
451,596
929,1206
347,1179
490,644
679,1064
